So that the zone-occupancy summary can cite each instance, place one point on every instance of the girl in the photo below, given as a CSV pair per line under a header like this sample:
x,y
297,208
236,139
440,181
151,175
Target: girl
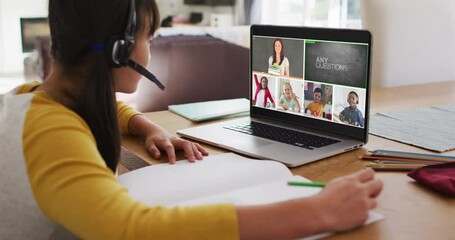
x,y
64,141
289,100
262,94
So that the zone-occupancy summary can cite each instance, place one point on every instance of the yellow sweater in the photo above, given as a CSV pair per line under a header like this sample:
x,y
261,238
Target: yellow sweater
x,y
316,109
74,188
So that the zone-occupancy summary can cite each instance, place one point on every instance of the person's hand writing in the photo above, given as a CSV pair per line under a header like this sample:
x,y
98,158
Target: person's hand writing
x,y
162,140
347,200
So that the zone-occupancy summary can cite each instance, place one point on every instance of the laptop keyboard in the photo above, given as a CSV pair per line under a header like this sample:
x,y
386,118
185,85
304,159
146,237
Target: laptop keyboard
x,y
283,135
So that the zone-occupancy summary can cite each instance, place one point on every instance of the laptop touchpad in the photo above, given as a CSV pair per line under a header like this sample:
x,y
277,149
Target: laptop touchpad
x,y
253,143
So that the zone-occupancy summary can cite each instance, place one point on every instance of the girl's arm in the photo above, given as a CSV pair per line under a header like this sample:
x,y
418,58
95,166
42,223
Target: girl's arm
x,y
74,188
297,103
157,138
269,96
319,213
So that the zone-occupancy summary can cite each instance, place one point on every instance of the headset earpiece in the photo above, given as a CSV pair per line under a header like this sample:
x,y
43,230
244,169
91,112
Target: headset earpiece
x,y
119,51
119,48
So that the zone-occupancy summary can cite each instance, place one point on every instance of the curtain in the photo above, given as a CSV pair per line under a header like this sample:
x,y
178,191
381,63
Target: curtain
x,y
252,11
322,13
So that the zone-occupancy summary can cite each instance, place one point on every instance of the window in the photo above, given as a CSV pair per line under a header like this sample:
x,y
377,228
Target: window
x,y
31,30
320,13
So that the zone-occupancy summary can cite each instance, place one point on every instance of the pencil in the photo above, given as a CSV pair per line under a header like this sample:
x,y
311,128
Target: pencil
x,y
403,162
397,168
394,167
306,184
371,157
412,155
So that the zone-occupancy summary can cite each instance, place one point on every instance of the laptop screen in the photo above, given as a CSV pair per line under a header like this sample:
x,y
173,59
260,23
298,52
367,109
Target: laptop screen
x,y
312,77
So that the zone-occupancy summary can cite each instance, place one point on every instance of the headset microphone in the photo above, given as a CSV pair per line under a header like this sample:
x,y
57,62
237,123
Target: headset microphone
x,y
143,71
119,48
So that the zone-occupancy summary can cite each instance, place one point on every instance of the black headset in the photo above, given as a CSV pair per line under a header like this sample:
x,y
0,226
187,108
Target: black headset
x,y
119,49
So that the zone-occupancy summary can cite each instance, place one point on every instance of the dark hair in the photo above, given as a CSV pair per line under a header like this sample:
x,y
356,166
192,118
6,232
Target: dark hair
x,y
77,25
352,92
282,51
266,82
317,90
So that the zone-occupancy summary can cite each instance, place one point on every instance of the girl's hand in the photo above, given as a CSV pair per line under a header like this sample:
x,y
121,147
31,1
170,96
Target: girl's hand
x,y
162,140
348,199
157,139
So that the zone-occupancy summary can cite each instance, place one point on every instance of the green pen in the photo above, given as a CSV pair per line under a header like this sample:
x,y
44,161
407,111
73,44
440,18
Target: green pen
x,y
307,184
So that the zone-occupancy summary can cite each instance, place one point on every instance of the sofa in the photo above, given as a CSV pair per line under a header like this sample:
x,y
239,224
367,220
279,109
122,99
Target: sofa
x,y
193,65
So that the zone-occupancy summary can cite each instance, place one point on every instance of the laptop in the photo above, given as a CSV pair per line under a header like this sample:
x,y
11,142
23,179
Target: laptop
x,y
309,96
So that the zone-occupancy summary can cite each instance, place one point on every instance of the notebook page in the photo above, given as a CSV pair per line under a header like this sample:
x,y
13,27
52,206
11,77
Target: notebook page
x,y
270,192
262,193
167,184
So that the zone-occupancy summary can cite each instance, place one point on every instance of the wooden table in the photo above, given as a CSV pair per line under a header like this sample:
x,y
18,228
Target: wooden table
x,y
411,211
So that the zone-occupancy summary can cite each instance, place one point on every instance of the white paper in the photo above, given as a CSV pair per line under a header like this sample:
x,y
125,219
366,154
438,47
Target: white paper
x,y
170,184
262,193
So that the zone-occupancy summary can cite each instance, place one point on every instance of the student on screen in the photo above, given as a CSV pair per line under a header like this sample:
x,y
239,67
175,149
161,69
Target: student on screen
x,y
62,139
278,63
316,108
289,100
352,115
262,94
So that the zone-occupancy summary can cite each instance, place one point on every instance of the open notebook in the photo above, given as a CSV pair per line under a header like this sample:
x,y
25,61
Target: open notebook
x,y
222,178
